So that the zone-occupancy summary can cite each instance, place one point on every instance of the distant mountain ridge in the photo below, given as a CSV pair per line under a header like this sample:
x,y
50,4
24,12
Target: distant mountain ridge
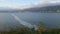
x,y
9,10
52,8
48,8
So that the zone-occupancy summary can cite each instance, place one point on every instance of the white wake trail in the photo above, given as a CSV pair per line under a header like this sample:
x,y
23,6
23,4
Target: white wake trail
x,y
23,22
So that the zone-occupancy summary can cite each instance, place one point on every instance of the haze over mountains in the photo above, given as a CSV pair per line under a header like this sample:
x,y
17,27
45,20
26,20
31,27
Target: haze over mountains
x,y
38,8
51,8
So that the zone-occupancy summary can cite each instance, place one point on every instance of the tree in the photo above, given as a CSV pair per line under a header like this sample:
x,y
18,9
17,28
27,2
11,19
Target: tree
x,y
41,27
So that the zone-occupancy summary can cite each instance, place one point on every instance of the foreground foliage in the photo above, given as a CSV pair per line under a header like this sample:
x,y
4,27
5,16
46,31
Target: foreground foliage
x,y
24,30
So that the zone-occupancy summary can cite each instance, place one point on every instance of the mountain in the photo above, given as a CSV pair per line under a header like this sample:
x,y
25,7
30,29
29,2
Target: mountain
x,y
49,8
9,10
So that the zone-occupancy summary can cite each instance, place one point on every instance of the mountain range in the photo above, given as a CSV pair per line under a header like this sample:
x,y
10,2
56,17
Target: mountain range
x,y
49,8
53,8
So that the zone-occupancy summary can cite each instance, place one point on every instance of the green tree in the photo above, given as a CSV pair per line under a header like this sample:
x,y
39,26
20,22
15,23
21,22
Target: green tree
x,y
41,27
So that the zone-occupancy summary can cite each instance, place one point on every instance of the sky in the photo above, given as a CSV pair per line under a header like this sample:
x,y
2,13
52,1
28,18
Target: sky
x,y
23,3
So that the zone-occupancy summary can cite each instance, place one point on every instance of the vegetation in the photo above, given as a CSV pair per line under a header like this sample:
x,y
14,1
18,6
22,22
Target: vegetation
x,y
41,30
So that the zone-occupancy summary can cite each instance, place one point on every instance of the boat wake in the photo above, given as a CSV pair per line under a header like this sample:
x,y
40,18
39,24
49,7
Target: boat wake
x,y
23,22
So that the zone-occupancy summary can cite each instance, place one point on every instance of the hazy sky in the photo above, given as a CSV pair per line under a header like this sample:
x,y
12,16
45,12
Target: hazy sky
x,y
14,3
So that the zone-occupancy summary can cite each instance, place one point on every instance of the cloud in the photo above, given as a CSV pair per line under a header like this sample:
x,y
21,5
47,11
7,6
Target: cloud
x,y
8,0
40,3
37,4
2,0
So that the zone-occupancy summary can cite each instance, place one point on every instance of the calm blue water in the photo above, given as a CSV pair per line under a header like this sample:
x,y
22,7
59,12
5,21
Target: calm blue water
x,y
50,19
7,21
